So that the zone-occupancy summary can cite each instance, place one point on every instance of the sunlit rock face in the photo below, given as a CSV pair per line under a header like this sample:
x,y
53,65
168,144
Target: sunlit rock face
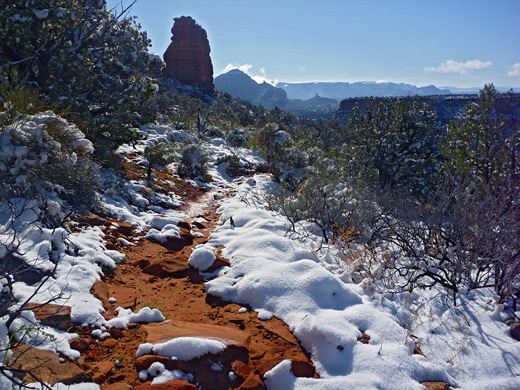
x,y
187,58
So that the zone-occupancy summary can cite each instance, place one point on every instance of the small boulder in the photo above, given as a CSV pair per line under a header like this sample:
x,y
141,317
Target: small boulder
x,y
199,225
218,263
55,316
115,333
184,225
364,339
302,369
44,364
102,370
101,292
241,369
81,345
125,228
109,343
145,361
92,220
177,243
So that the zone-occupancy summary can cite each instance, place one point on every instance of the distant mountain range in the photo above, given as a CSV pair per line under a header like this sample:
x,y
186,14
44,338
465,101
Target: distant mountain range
x,y
343,90
239,85
319,99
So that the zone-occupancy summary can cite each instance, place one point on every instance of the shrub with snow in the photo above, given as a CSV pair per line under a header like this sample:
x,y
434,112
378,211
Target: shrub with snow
x,y
215,132
193,162
84,55
238,138
44,154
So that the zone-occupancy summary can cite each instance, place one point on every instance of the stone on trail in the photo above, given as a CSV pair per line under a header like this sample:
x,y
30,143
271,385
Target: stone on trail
x,y
55,316
45,365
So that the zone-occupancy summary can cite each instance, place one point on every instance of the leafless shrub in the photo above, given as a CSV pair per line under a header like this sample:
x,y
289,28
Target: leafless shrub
x,y
462,238
18,220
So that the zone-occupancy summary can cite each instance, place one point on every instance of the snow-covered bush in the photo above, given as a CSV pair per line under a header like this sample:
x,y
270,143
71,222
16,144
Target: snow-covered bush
x,y
238,138
214,132
44,154
159,154
85,56
193,162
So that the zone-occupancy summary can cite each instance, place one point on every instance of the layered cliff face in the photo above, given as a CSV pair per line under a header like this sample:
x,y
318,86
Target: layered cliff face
x,y
187,58
447,107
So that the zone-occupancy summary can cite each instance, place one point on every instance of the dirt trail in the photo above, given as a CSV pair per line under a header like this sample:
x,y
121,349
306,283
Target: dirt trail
x,y
158,276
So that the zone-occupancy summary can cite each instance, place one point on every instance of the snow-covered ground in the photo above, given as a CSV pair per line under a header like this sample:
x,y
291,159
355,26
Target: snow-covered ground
x,y
276,273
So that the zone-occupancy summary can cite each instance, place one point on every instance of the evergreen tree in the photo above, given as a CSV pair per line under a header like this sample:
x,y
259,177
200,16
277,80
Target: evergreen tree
x,y
395,144
476,148
80,53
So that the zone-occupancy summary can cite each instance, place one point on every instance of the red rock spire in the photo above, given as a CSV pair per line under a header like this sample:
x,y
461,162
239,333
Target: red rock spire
x,y
187,58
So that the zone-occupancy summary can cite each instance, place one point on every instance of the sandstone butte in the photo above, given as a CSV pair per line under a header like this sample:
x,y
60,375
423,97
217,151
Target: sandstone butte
x,y
187,58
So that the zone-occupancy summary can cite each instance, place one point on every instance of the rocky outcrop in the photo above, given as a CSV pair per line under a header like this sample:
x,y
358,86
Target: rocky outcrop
x,y
447,107
187,58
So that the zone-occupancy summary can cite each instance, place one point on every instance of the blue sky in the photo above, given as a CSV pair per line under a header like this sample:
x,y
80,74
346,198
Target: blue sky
x,y
463,43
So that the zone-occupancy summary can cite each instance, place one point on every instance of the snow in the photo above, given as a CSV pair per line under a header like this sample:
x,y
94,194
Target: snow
x,y
125,316
469,341
274,272
41,14
277,274
98,333
45,338
167,232
182,348
77,260
161,375
201,258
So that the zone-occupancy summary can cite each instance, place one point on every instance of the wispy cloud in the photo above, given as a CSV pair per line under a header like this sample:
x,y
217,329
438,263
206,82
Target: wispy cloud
x,y
260,77
515,70
244,68
457,67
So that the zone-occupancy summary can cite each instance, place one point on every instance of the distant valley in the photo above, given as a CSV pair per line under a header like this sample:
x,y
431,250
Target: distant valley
x,y
343,90
313,100
320,99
